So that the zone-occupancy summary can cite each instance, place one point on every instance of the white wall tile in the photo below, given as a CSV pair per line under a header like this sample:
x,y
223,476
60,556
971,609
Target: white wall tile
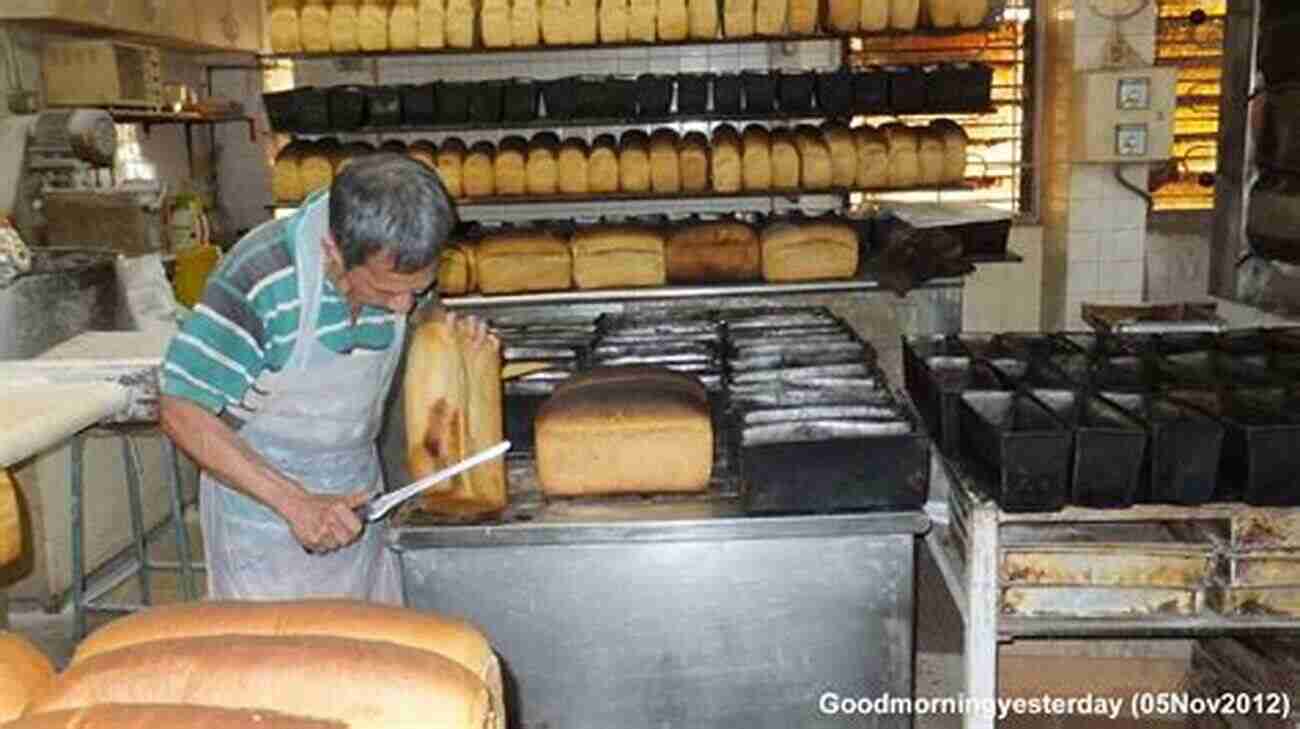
x,y
1126,276
1083,277
1084,247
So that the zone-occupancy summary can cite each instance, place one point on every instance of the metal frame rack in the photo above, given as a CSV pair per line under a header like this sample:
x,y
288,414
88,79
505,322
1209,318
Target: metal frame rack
x,y
972,551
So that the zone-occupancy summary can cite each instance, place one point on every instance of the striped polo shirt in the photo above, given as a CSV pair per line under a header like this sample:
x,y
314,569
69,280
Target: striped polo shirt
x,y
246,325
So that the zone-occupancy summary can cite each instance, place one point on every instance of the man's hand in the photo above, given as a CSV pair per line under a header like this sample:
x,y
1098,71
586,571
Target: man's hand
x,y
325,523
472,328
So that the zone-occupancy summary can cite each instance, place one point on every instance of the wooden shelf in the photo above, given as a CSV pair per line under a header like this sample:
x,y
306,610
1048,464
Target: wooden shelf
x,y
150,119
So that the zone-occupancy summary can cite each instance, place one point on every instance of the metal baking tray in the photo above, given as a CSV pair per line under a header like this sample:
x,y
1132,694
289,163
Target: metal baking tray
x,y
799,353
769,318
797,393
1109,449
811,374
849,457
1022,448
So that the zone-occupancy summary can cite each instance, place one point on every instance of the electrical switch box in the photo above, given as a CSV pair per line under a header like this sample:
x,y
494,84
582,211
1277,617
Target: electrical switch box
x,y
1124,114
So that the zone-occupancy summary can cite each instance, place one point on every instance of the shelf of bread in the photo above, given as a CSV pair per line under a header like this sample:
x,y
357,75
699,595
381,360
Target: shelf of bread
x,y
663,165
378,27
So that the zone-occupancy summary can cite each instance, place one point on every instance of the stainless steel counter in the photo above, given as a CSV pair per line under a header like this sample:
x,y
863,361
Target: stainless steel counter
x,y
675,611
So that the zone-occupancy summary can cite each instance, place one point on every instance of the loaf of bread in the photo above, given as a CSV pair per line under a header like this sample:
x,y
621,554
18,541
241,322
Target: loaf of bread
x,y
456,639
345,34
372,25
904,155
478,173
665,162
941,13
725,162
874,17
316,168
366,684
423,150
802,17
757,158
494,23
543,171
284,31
954,149
11,527
600,430
809,252
673,20
844,154
152,716
451,160
432,23
873,158
712,252
584,22
694,158
904,14
459,23
814,158
785,160
617,256
703,16
843,16
931,158
555,22
603,169
971,13
770,17
613,21
512,166
525,23
641,20
404,26
452,403
346,154
523,260
634,162
314,26
737,18
25,674
573,167
286,175
456,275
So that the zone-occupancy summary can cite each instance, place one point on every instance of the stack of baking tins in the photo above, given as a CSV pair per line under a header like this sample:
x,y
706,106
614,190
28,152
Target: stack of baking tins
x,y
815,426
535,358
1112,420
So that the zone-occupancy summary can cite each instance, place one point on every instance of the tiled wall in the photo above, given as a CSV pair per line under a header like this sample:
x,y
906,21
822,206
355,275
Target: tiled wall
x,y
1006,297
1095,238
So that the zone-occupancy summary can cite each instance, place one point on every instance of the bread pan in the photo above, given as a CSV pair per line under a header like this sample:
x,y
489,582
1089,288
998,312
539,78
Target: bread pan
x,y
1261,446
1021,449
1184,446
1109,449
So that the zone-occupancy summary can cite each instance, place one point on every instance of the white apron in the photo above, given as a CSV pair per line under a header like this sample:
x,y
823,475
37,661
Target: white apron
x,y
318,424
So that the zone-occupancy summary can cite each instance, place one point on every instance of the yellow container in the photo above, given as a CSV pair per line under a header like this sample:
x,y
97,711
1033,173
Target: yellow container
x,y
193,266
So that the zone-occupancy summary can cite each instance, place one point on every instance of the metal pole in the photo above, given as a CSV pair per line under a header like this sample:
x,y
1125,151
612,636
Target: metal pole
x,y
1240,44
78,566
131,461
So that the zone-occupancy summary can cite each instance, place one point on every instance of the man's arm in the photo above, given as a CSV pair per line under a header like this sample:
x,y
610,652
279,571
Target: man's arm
x,y
319,523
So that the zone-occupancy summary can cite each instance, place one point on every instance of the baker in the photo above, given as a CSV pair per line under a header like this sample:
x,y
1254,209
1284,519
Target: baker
x,y
276,384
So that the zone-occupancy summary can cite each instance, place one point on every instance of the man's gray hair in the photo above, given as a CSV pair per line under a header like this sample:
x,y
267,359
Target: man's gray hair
x,y
387,202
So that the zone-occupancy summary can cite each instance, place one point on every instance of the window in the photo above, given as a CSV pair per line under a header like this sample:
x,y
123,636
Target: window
x,y
1000,155
1189,35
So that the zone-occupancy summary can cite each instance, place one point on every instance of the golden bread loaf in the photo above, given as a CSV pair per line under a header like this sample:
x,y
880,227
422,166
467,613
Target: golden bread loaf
x,y
404,26
543,170
809,252
494,23
873,158
451,161
600,429
25,674
724,159
770,17
843,16
603,170
573,167
372,25
844,154
786,164
874,16
314,26
478,174
756,158
523,260
452,403
737,18
703,16
673,20
456,270
286,36
904,155
617,256
512,166
634,162
712,252
525,23
153,716
955,142
694,160
665,162
431,23
345,34
613,21
814,158
364,683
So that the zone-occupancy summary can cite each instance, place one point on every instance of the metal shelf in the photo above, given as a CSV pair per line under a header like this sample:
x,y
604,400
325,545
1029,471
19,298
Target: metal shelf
x,y
811,117
680,292
149,119
938,32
